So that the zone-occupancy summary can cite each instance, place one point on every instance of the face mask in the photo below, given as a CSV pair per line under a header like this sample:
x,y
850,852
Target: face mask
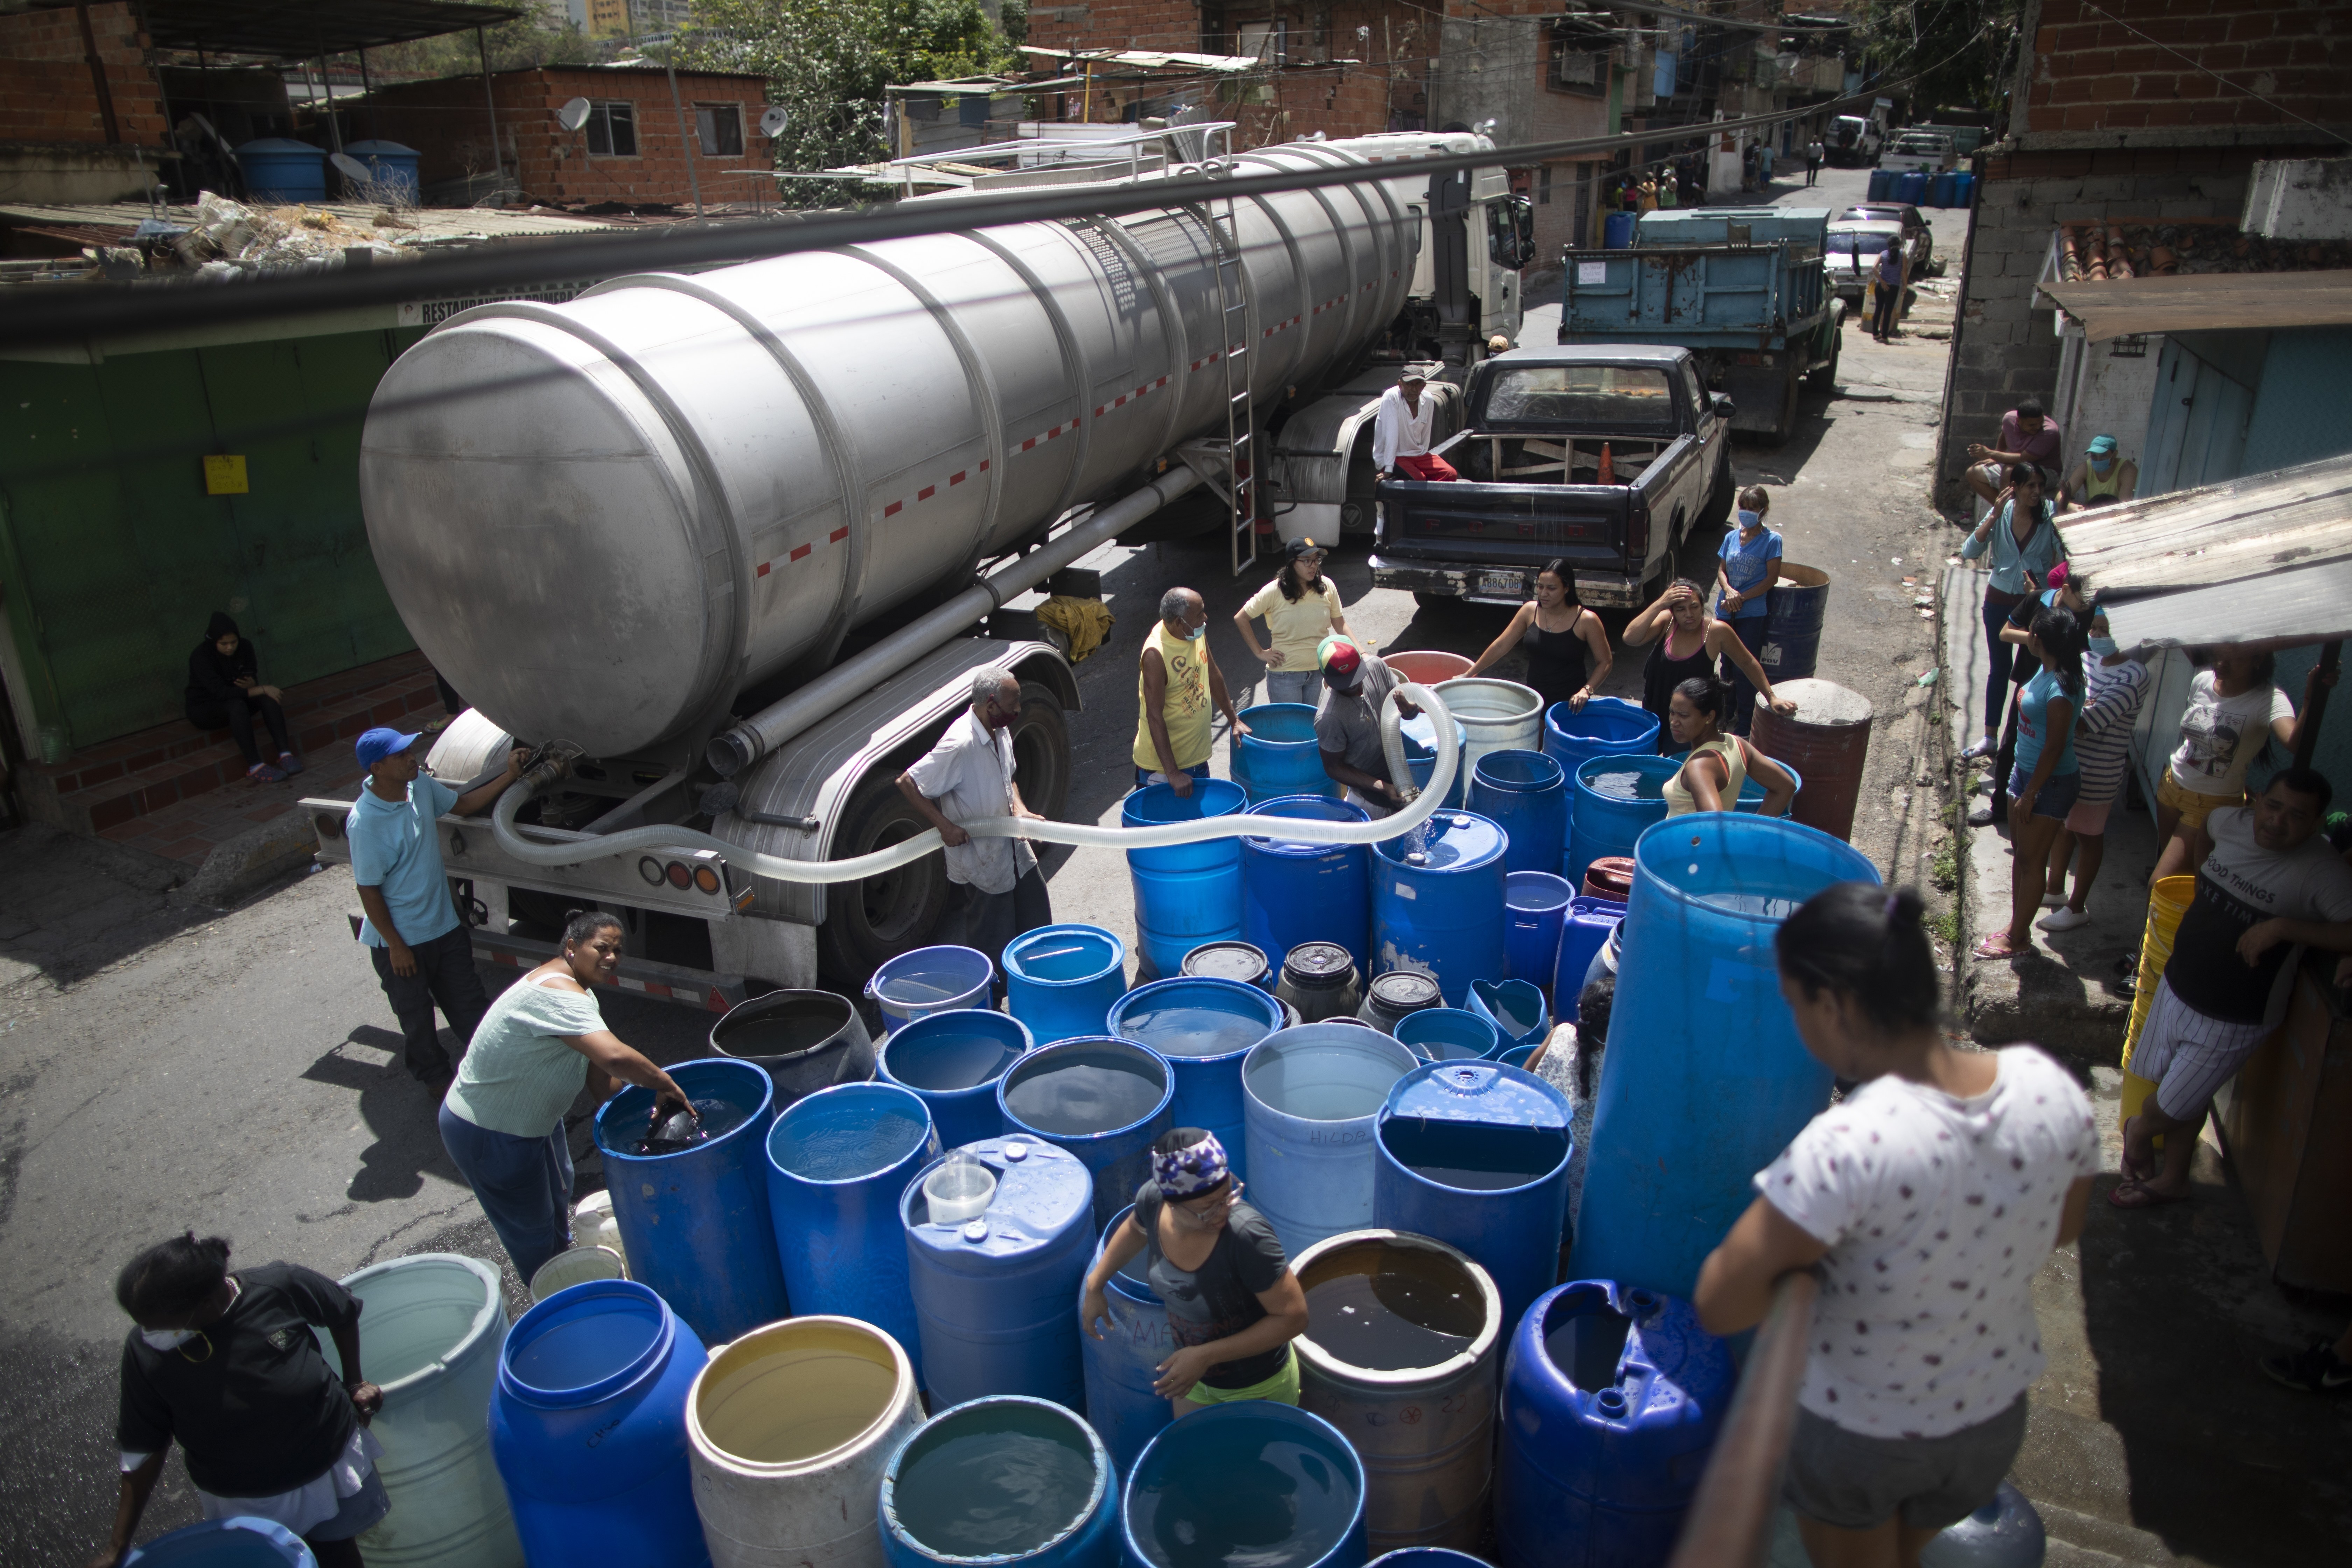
x,y
2103,464
167,1339
2103,647
1751,520
1195,634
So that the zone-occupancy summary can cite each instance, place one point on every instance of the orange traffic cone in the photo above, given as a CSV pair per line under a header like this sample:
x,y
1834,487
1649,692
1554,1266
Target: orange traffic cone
x,y
1607,475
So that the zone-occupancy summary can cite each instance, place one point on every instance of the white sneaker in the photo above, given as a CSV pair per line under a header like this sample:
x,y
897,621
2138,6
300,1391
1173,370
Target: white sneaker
x,y
2063,918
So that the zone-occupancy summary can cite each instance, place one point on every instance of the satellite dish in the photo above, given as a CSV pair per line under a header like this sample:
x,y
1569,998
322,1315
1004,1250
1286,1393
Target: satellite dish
x,y
773,122
351,168
575,114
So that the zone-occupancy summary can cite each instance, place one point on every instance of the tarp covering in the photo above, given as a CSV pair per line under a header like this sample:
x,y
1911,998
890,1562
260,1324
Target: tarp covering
x,y
2207,302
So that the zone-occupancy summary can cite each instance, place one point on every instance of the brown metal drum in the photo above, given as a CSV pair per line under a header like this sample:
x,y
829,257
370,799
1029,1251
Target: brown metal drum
x,y
1826,741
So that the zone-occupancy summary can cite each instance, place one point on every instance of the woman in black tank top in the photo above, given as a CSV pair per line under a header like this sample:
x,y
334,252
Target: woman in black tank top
x,y
1567,648
1686,641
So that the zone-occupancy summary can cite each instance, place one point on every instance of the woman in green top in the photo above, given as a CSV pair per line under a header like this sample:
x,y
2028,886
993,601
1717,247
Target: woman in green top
x,y
502,1120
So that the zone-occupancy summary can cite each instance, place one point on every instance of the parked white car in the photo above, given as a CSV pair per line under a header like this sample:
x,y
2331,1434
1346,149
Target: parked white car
x,y
1852,250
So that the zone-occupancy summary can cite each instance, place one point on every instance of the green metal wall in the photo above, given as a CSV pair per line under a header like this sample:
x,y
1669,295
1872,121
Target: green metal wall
x,y
114,556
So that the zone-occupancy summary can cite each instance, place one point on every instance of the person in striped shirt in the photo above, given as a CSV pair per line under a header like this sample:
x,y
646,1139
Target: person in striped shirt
x,y
2118,685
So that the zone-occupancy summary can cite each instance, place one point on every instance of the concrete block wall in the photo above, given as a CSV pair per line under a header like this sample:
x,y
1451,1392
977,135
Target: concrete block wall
x,y
46,91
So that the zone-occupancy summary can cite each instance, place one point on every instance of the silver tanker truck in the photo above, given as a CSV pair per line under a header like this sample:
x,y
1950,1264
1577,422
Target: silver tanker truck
x,y
731,534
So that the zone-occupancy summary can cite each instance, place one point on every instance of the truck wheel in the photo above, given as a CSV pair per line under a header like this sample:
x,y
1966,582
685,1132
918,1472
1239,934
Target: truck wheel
x,y
1825,378
1041,751
1787,425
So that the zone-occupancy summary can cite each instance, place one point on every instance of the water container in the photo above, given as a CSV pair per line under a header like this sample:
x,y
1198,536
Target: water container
x,y
1615,798
1475,1154
588,1426
1882,186
929,980
1280,756
1252,1482
1495,716
576,1267
696,1222
791,1427
1312,1093
1403,1356
1237,961
2005,1533
1294,893
954,1061
1122,1367
1912,189
837,1161
1061,980
804,1040
277,171
1103,1100
1617,231
1515,1008
1449,1035
1421,757
1204,1028
1437,901
391,164
1611,1398
1939,190
1516,1056
1395,996
1432,667
1829,737
1964,188
1318,982
1535,910
1607,726
1705,1081
592,1224
1009,1481
241,1541
1188,893
1611,878
997,1297
1524,793
1794,609
1590,921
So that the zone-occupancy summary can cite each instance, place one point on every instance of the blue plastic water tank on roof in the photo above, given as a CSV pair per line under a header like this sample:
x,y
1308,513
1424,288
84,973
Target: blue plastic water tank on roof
x,y
277,169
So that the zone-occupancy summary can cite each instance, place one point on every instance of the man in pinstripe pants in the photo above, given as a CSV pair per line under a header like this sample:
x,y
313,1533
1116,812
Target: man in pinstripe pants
x,y
2266,881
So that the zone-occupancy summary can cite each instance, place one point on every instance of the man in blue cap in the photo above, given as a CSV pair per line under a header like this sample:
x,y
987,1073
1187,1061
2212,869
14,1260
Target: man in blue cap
x,y
2101,479
422,950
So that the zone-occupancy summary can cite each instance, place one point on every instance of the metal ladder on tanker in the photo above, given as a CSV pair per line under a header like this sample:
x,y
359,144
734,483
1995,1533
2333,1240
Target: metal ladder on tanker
x,y
1230,465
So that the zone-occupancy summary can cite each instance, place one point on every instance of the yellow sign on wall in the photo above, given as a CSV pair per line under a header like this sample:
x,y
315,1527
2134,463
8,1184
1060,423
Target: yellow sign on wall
x,y
224,476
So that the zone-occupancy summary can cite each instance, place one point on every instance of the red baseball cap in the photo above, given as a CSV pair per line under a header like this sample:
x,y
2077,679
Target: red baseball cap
x,y
1341,664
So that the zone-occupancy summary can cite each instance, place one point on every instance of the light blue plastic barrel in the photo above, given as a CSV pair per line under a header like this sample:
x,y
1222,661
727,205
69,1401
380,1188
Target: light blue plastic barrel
x,y
1535,910
1590,921
837,1161
1475,1154
1449,1035
588,1427
1061,980
1607,726
1912,189
391,164
1279,756
1515,1008
997,1297
1516,1056
1185,894
278,170
1704,1081
929,980
1204,1028
1310,1095
1524,793
1251,1482
1006,1480
240,1540
1882,186
954,1061
1611,1398
1104,1100
1617,231
1615,798
1122,1367
1421,757
1437,901
695,1224
1294,893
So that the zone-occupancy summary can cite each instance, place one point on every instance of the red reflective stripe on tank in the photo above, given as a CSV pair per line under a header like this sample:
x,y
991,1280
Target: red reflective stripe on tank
x,y
927,492
800,550
957,478
715,1003
838,535
893,509
763,567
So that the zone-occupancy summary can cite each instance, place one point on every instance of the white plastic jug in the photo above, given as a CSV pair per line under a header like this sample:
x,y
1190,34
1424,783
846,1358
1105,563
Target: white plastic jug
x,y
960,1189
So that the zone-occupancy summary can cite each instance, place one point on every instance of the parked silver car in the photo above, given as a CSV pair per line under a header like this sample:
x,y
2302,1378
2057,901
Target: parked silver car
x,y
1850,251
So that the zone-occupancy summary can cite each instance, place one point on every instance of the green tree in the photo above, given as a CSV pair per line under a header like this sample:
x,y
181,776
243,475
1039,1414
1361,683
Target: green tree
x,y
1958,50
542,36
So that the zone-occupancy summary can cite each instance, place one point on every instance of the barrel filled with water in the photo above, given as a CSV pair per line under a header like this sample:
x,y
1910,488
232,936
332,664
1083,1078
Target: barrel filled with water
x,y
1060,980
1279,756
1104,1100
1420,737
804,1040
1437,901
1185,894
1122,1366
1310,1095
1495,716
1203,1028
929,980
1524,793
1295,892
954,1061
694,1213
1006,1480
1403,1355
1535,910
1449,1035
1604,726
1248,1485
240,1540
1614,801
1611,1398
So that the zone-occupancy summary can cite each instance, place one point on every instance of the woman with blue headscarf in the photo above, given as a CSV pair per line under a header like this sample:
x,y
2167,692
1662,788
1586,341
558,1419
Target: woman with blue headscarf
x,y
1234,1305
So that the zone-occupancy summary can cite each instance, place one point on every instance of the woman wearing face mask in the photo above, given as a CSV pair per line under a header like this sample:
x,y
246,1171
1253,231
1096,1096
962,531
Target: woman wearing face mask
x,y
2101,479
2117,686
2047,775
1689,643
1719,764
1301,607
1750,564
226,1366
1559,636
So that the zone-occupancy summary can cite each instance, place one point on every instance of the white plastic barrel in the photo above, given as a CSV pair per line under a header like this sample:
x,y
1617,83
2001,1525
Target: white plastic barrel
x,y
792,1426
592,1224
1495,715
576,1267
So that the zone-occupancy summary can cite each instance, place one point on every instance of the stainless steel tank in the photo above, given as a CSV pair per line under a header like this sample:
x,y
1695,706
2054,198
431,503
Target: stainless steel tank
x,y
601,519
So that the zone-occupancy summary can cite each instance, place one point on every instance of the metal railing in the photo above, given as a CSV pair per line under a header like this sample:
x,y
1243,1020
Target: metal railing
x,y
1730,1521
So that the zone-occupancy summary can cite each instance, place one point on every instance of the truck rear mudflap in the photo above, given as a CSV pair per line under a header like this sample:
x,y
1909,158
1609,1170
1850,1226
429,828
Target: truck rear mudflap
x,y
1489,585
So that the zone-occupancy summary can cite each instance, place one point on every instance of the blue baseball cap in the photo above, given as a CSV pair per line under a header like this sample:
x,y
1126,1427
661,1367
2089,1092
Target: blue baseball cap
x,y
377,745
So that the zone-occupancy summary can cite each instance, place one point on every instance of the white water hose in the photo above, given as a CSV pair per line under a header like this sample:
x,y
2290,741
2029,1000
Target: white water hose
x,y
1289,829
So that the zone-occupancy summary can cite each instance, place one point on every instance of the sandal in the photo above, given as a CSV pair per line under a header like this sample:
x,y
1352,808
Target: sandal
x,y
2140,1195
1996,945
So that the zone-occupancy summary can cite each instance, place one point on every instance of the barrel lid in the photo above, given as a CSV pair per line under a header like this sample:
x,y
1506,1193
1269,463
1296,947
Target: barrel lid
x,y
1449,841
1405,990
1226,961
1318,963
1822,703
1485,1092
1042,1191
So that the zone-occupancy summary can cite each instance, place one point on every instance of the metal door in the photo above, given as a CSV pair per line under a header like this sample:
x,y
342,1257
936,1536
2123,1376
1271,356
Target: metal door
x,y
2196,425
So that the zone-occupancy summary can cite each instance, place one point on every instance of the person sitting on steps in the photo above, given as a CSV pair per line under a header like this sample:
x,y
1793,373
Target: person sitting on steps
x,y
225,688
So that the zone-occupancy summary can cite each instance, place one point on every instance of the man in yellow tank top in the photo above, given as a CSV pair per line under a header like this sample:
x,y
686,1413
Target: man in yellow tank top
x,y
1177,680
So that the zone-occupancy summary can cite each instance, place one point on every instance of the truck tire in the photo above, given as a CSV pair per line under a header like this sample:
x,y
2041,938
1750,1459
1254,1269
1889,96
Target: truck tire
x,y
1825,378
1787,425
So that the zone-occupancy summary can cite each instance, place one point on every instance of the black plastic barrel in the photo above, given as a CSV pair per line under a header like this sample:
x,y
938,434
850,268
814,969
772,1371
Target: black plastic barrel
x,y
805,1041
1393,997
1318,982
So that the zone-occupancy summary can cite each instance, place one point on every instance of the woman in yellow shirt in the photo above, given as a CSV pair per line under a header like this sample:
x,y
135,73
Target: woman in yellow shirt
x,y
1718,764
1301,607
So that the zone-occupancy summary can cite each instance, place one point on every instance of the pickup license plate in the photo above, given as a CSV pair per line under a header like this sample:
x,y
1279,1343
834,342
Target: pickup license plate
x,y
1510,584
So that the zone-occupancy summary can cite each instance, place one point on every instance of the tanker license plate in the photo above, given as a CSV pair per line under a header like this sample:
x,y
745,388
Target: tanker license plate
x,y
1509,584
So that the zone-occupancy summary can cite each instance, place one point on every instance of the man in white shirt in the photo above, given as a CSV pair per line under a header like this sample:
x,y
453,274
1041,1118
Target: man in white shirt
x,y
1400,432
996,890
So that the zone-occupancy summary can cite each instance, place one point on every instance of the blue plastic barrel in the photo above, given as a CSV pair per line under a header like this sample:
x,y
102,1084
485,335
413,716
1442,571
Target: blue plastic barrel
x,y
929,980
1607,726
1104,1100
1122,1367
1421,755
1535,908
1294,893
837,1161
1252,1482
1524,793
1279,756
1449,1035
240,1540
1427,1557
390,164
1516,1056
695,1224
954,1061
1794,610
1515,1008
1311,1093
1185,894
2004,1533
1010,1481
588,1427
278,170
997,1297
1751,793
1617,231
1964,187
1939,190
1705,1081
1912,188
1437,901
1615,799
1590,921
1611,1398
1061,980
1476,1155
1204,1028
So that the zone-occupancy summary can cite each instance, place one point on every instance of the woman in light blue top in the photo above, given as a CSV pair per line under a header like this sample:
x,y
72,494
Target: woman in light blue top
x,y
542,1042
2042,785
2024,544
1750,564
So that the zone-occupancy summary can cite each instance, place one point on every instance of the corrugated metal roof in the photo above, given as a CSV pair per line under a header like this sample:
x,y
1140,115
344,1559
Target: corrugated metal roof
x,y
2207,302
1155,59
117,219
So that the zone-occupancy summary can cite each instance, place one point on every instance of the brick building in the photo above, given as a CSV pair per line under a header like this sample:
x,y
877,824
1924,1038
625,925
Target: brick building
x,y
629,153
68,125
2134,111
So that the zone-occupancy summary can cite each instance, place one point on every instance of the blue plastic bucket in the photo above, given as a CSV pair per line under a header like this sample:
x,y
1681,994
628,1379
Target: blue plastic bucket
x,y
954,1061
241,1541
1607,726
1204,1028
1103,1100
1280,756
1449,1035
1437,901
1516,1056
1008,1481
1524,793
1061,980
1535,910
1185,894
1515,1008
1311,1094
1294,892
1122,1368
929,980
1247,1482
1615,799
1590,921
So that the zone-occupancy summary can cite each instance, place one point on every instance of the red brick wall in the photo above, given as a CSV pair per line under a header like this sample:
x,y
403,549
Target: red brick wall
x,y
46,91
2092,74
